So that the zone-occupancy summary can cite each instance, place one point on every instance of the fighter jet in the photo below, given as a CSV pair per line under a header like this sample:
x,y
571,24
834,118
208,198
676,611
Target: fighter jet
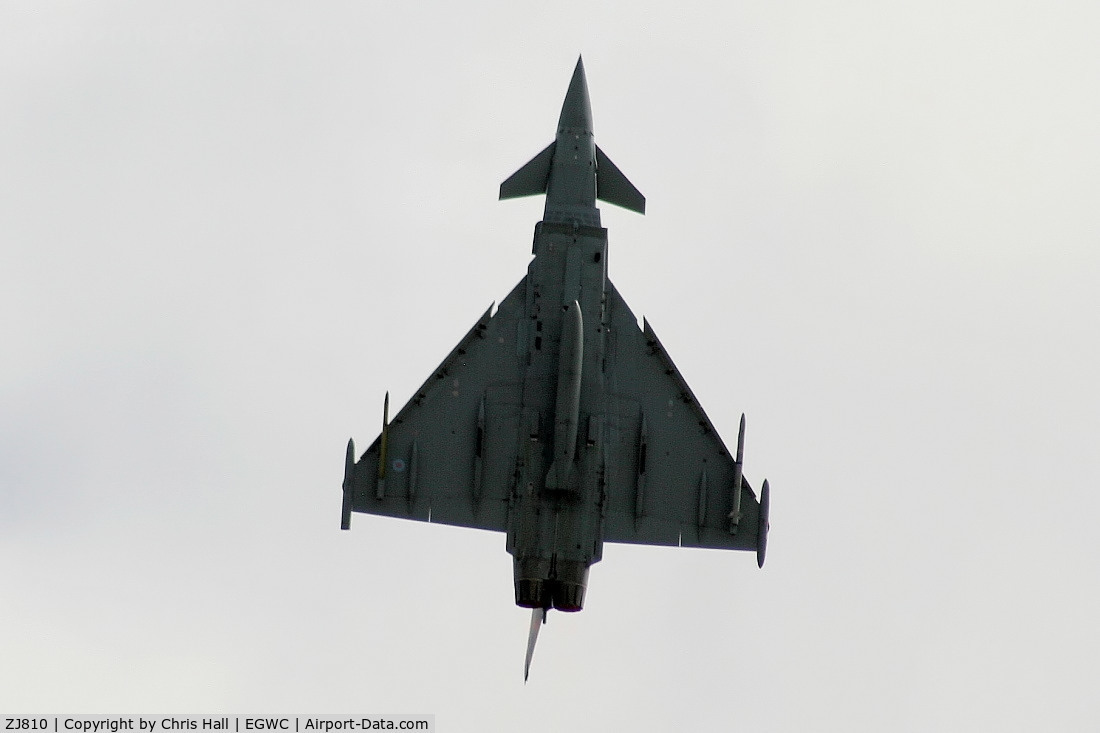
x,y
557,420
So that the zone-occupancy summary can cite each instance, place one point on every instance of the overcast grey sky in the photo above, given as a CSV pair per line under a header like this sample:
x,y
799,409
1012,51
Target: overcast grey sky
x,y
226,229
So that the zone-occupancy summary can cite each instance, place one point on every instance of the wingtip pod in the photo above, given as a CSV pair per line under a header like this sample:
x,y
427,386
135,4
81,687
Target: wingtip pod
x,y
349,471
762,524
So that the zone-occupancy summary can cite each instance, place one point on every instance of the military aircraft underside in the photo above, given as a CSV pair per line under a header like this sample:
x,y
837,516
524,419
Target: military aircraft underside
x,y
556,419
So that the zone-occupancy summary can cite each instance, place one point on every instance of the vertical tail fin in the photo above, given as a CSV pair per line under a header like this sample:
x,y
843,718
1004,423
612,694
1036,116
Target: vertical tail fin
x,y
538,618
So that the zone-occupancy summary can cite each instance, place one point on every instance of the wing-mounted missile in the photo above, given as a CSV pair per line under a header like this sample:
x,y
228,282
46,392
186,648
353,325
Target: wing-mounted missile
x,y
349,471
735,513
349,467
762,524
380,487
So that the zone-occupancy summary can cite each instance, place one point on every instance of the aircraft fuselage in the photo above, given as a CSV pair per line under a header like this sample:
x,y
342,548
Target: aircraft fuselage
x,y
555,533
